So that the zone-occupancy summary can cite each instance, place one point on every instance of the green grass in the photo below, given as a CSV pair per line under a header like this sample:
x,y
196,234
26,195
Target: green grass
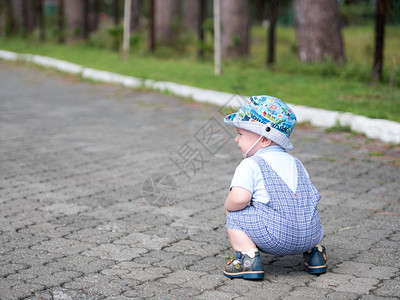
x,y
328,86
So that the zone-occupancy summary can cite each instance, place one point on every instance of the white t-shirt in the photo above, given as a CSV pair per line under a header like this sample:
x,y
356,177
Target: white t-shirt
x,y
248,174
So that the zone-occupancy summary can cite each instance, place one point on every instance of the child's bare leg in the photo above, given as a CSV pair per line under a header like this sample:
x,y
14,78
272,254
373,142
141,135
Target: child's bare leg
x,y
240,241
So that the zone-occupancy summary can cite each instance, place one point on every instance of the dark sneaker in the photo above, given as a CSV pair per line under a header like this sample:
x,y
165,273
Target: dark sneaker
x,y
315,260
245,267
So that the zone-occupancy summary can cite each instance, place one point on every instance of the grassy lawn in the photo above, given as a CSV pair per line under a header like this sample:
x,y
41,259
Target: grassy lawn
x,y
343,88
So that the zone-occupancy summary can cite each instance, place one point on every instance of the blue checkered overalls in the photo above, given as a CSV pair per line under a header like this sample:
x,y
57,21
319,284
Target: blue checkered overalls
x,y
289,223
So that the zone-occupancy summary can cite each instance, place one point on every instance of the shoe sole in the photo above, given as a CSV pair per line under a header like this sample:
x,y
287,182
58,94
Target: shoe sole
x,y
317,269
246,275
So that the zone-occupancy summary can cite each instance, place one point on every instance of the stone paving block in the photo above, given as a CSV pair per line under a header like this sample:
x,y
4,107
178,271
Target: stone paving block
x,y
214,265
342,296
10,268
312,293
195,280
95,236
151,242
115,252
48,230
11,290
257,290
378,257
366,270
82,264
373,297
65,294
217,295
147,274
33,272
344,283
150,290
100,285
48,279
63,246
195,248
172,232
389,288
30,257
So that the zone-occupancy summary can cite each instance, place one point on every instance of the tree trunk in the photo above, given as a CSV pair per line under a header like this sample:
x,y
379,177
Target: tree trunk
x,y
2,20
318,30
217,38
116,10
61,21
95,16
235,28
74,12
191,15
380,20
167,18
135,15
29,18
10,23
41,19
18,12
259,7
86,10
151,30
127,29
273,17
202,17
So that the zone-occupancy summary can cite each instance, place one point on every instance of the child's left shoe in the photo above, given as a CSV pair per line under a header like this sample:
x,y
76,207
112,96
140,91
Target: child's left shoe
x,y
243,266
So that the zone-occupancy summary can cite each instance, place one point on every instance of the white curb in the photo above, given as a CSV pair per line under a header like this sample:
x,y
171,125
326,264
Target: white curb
x,y
387,131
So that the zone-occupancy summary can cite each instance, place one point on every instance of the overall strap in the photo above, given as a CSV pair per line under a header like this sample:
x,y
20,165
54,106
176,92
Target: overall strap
x,y
299,205
274,184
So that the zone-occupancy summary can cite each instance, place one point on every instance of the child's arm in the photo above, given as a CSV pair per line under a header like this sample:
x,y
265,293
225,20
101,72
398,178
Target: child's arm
x,y
237,199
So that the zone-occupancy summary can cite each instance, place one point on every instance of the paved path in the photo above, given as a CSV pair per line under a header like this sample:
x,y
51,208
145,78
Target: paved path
x,y
109,193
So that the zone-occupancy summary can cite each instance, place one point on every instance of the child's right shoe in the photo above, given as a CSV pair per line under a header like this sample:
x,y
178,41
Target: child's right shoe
x,y
243,266
315,260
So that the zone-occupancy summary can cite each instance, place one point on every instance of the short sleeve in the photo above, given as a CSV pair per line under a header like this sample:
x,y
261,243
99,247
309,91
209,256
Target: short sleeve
x,y
243,176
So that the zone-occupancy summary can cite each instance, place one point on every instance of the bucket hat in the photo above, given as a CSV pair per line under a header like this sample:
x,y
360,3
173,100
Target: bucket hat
x,y
266,116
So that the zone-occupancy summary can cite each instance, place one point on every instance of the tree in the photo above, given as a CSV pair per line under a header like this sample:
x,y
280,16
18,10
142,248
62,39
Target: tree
x,y
191,15
29,17
10,23
2,19
201,30
116,12
95,19
235,28
135,15
217,37
259,9
74,13
273,16
86,9
61,21
194,15
151,39
167,20
318,30
380,20
41,19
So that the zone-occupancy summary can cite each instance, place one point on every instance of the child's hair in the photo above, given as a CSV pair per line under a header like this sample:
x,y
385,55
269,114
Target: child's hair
x,y
267,116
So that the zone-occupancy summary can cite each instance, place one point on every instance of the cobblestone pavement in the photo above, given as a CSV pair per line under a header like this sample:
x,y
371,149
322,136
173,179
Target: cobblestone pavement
x,y
109,193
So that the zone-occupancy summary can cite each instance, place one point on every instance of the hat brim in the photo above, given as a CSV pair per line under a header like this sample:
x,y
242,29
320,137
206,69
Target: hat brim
x,y
260,129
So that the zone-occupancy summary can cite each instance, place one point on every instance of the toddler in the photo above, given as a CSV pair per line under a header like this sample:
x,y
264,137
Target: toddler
x,y
272,204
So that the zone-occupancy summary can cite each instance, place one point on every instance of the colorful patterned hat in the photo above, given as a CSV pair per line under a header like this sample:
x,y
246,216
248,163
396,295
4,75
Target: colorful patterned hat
x,y
267,116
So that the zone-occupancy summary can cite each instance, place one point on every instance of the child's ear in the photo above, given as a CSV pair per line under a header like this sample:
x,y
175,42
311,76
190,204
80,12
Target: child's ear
x,y
265,142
